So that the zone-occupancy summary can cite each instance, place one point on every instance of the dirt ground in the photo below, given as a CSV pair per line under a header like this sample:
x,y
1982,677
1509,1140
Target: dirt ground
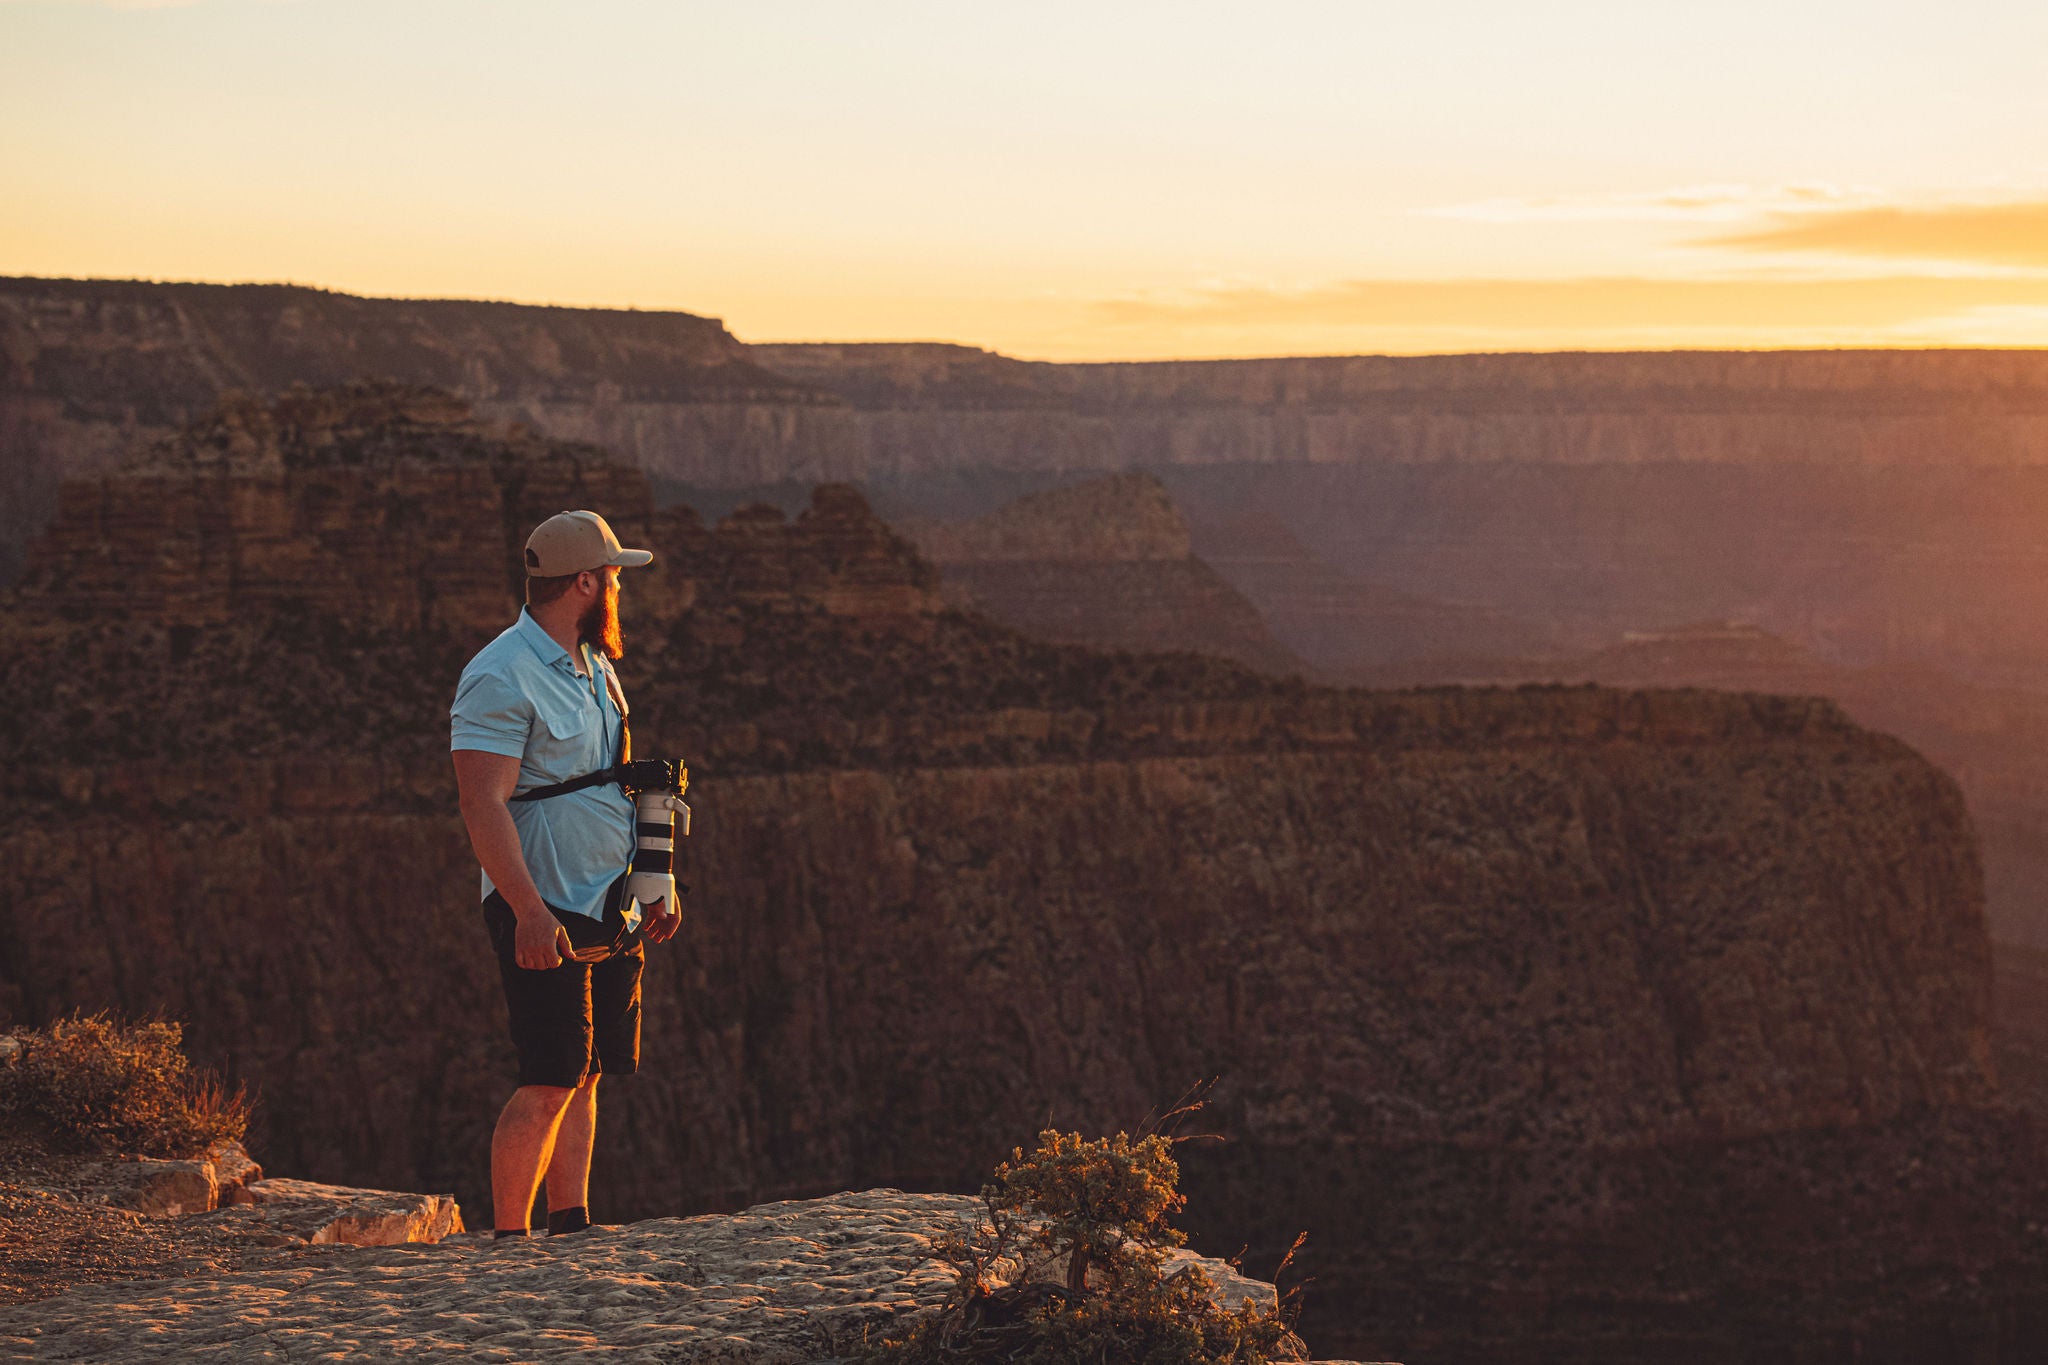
x,y
49,1243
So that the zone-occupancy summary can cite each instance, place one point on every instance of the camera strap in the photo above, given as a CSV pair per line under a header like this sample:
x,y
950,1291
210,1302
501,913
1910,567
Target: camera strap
x,y
603,775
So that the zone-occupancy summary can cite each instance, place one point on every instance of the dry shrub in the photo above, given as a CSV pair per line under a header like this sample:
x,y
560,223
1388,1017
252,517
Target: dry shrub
x,y
91,1083
1088,1219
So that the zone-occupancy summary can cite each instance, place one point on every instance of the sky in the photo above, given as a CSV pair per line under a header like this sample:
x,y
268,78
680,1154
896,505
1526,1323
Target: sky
x,y
1064,180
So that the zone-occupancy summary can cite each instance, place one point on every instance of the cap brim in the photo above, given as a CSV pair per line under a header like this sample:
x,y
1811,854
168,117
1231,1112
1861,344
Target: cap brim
x,y
631,559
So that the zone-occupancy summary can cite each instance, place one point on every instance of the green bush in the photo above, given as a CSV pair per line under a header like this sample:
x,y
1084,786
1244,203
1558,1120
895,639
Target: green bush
x,y
91,1083
1069,1268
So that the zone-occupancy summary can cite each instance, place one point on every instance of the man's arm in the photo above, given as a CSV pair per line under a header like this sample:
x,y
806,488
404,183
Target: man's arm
x,y
486,782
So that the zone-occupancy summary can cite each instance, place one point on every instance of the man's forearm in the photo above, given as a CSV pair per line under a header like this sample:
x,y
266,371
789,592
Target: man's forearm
x,y
495,840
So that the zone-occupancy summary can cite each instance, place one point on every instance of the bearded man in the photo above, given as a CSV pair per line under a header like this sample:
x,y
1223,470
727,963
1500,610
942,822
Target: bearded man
x,y
537,706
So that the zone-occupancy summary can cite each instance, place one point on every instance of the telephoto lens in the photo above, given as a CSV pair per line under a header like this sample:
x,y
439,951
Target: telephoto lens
x,y
657,815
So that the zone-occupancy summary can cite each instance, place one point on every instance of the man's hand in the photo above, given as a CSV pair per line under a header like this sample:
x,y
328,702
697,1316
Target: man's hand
x,y
541,942
660,921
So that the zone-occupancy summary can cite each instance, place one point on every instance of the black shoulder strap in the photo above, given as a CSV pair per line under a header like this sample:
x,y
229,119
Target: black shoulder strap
x,y
618,695
574,784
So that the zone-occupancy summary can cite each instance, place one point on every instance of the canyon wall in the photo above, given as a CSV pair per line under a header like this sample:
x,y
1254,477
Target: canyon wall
x,y
88,367
1855,407
889,973
952,881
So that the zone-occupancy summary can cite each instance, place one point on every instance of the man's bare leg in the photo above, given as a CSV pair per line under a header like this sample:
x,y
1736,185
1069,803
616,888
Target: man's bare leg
x,y
522,1146
569,1167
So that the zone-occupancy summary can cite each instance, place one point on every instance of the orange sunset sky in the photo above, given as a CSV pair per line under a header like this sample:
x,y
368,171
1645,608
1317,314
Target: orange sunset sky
x,y
1066,180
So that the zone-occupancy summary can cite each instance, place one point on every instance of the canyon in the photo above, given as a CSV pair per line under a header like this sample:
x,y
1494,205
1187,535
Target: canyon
x,y
1855,525
1597,1019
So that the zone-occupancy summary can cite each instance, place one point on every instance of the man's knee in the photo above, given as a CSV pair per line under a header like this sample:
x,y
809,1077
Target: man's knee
x,y
548,1098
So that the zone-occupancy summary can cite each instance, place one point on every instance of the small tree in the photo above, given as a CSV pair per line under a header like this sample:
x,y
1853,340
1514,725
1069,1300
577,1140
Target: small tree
x,y
1104,1203
1084,1210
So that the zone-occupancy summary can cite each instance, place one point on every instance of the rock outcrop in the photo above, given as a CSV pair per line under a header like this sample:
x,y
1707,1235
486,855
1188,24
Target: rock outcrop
x,y
228,1189
1104,563
1986,737
322,1214
158,1188
1440,944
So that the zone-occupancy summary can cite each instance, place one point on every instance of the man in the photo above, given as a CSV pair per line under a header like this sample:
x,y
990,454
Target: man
x,y
539,705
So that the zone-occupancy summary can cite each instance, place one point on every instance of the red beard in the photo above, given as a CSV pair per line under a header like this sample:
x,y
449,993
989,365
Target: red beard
x,y
598,627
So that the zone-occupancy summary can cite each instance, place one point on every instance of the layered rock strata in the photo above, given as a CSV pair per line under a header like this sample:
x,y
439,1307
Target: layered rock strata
x,y
929,406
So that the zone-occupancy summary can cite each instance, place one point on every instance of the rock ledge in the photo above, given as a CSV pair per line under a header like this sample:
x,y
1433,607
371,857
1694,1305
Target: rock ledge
x,y
777,1284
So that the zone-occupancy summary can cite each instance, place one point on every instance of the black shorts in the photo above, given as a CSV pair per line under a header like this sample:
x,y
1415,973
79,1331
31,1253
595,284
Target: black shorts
x,y
578,1019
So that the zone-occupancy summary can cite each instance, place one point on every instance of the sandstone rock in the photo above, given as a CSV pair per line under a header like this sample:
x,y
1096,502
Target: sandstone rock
x,y
1233,1289
322,1214
233,1173
156,1188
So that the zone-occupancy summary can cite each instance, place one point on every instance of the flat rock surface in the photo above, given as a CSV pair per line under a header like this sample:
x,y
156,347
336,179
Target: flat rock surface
x,y
777,1283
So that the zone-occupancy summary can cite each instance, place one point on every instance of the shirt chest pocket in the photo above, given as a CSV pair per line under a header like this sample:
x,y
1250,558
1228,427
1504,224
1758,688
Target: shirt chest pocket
x,y
568,736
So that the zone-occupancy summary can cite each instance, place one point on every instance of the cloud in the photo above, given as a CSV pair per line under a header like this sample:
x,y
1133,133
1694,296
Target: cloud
x,y
2013,234
2000,325
1567,307
1685,204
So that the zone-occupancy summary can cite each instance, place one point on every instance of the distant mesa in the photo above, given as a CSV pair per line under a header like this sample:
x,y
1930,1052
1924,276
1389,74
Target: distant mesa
x,y
1105,563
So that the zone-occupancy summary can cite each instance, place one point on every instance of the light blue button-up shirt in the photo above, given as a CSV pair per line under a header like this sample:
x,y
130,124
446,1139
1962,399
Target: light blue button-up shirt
x,y
522,697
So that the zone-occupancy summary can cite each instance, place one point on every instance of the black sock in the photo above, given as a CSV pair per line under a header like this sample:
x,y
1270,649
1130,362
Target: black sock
x,y
568,1220
510,1232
